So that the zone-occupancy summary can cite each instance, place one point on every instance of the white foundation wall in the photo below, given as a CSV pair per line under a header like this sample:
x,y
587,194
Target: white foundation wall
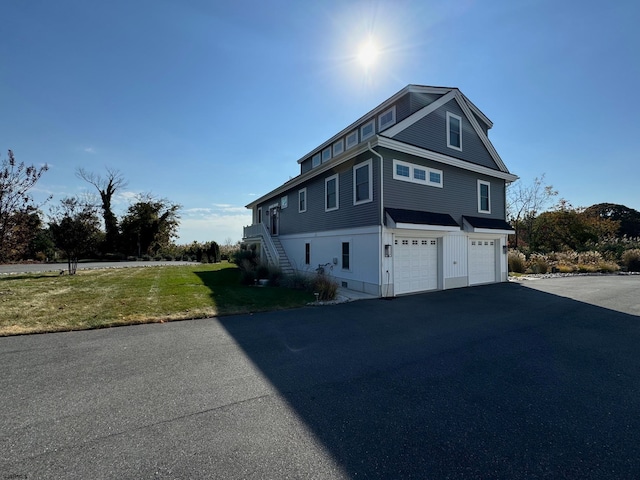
x,y
326,247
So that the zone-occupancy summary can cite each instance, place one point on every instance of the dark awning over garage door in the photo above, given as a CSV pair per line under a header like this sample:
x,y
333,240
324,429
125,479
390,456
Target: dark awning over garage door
x,y
486,225
399,218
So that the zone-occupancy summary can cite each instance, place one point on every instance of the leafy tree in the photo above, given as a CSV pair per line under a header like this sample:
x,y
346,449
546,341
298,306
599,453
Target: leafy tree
x,y
18,213
628,218
107,187
75,228
524,204
149,225
569,228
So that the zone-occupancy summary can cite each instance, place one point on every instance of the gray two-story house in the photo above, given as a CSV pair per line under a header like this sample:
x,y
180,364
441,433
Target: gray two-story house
x,y
408,198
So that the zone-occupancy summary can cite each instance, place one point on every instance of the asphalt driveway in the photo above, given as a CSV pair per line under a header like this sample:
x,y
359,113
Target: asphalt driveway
x,y
532,380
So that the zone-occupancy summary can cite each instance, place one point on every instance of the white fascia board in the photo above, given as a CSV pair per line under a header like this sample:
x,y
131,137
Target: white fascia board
x,y
295,181
445,159
490,230
423,112
431,228
477,111
485,140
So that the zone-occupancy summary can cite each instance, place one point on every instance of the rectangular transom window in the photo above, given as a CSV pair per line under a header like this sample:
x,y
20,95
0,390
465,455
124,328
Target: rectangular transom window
x,y
410,172
484,197
386,119
352,139
346,264
362,183
454,131
331,193
315,160
367,130
302,200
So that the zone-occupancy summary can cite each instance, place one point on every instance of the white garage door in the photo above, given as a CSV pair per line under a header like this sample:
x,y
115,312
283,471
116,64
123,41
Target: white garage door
x,y
415,264
482,261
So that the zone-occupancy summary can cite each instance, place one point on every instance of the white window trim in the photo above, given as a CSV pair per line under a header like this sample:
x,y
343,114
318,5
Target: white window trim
x,y
284,201
340,149
326,181
371,122
306,200
482,182
328,156
348,143
369,164
459,118
411,178
391,122
315,160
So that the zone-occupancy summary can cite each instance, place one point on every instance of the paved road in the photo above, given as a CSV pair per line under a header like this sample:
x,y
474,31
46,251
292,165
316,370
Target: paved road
x,y
56,267
501,381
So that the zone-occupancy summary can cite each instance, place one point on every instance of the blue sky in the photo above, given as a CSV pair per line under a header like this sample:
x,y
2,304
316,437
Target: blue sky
x,y
211,103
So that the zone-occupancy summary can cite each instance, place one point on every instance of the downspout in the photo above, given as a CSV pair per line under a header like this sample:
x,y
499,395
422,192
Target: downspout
x,y
381,252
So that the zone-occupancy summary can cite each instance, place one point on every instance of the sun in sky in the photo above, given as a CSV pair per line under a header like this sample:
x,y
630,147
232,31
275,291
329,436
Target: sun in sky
x,y
368,54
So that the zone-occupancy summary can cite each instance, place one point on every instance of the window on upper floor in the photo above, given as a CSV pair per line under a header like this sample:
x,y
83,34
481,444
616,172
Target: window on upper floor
x,y
352,139
326,154
259,216
367,130
484,197
454,131
410,172
302,200
338,147
284,202
362,183
315,160
331,193
387,118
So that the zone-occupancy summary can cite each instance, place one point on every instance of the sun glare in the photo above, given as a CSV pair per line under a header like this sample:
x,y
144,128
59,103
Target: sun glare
x,y
368,54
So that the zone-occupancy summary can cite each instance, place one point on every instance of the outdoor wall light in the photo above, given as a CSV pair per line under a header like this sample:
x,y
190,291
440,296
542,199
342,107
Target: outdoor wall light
x,y
504,249
387,250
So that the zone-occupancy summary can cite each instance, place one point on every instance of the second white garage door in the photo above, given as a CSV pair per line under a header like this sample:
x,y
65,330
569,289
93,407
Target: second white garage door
x,y
415,264
482,261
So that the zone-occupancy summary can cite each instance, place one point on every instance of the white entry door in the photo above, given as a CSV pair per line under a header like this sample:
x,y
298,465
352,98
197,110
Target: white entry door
x,y
415,264
482,261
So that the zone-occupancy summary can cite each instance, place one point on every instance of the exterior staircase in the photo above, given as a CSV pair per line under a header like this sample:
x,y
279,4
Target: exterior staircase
x,y
283,260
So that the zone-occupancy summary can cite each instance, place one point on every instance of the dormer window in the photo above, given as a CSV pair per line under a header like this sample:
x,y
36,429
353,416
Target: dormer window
x,y
352,139
387,118
315,160
367,130
454,131
326,154
338,147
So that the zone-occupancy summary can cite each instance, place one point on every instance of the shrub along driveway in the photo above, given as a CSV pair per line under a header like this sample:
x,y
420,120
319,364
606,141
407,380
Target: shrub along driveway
x,y
499,381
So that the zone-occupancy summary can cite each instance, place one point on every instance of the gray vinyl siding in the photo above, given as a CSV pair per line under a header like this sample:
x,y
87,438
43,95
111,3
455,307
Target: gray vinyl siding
x,y
421,100
430,133
305,166
457,197
346,216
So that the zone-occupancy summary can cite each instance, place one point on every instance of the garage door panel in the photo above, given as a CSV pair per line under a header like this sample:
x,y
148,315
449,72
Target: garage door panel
x,y
416,264
482,261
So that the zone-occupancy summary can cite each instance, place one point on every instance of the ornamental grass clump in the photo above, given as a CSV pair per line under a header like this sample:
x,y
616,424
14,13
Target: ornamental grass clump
x,y
631,259
517,261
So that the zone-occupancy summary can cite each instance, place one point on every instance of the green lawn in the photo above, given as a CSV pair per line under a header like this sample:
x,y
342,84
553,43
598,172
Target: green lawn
x,y
49,302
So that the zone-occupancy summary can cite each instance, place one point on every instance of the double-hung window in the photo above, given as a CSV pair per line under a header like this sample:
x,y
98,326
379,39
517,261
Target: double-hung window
x,y
454,131
331,193
302,200
362,183
484,197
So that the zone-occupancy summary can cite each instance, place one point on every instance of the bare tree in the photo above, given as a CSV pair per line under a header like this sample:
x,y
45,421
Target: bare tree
x,y
16,206
525,202
107,186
